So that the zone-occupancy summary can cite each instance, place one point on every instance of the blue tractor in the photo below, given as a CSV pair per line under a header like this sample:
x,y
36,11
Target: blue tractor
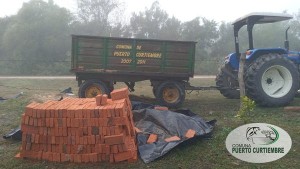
x,y
271,74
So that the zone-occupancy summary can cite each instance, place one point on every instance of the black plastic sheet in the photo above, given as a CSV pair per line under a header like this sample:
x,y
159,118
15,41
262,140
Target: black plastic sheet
x,y
15,134
165,124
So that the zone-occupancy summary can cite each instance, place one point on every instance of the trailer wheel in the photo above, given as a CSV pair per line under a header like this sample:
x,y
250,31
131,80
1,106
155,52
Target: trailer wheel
x,y
92,88
228,85
170,93
272,80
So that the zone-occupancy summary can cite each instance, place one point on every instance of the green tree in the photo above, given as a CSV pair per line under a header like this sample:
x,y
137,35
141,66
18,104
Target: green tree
x,y
98,17
38,38
205,33
154,23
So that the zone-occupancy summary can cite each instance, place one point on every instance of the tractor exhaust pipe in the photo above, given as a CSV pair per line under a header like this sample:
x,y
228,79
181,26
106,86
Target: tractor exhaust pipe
x,y
286,42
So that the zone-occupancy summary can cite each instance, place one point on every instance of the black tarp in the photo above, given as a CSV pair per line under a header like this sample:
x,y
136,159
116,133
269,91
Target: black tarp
x,y
165,124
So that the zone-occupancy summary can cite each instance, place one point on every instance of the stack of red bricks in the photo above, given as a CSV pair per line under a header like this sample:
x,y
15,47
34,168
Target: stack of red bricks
x,y
80,130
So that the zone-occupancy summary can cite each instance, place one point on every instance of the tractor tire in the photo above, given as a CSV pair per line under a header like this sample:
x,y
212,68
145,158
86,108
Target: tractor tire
x,y
272,80
170,93
92,88
229,87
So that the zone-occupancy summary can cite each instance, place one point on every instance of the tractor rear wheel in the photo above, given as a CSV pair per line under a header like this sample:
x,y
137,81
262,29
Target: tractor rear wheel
x,y
228,86
92,88
272,80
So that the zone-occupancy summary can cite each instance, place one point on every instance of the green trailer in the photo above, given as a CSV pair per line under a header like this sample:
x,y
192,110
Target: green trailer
x,y
101,62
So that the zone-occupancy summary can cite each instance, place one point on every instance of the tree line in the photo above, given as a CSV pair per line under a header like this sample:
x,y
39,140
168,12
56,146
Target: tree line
x,y
37,40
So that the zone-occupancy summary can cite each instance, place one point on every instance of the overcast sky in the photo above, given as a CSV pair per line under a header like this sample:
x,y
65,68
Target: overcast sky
x,y
185,10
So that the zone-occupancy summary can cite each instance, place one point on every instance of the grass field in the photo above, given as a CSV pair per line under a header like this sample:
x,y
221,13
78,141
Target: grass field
x,y
210,105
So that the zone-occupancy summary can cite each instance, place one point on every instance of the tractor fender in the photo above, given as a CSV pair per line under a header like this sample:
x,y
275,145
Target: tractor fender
x,y
255,53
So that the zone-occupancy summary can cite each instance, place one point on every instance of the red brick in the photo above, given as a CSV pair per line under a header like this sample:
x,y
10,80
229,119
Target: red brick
x,y
56,157
35,122
39,122
130,143
85,131
64,132
85,122
115,149
31,119
88,149
120,148
45,156
134,157
99,157
28,108
50,156
118,130
18,155
72,157
111,158
89,131
161,108
137,130
27,118
122,110
104,99
122,156
103,157
174,138
102,121
94,157
114,139
85,158
152,138
77,158
109,110
79,112
98,100
85,140
51,122
52,140
93,139
64,157
116,112
119,121
37,139
119,94
190,133
71,112
69,122
100,110
107,131
107,149
75,122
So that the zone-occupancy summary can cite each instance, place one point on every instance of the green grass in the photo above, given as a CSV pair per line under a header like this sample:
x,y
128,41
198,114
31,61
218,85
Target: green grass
x,y
201,153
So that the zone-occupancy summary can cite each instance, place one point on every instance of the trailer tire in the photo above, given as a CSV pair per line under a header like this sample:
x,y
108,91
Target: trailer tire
x,y
170,93
272,80
228,86
92,88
